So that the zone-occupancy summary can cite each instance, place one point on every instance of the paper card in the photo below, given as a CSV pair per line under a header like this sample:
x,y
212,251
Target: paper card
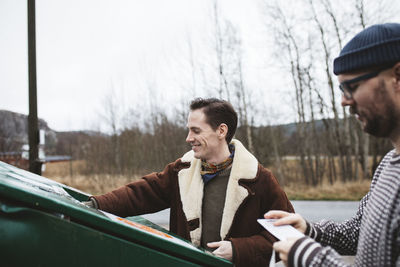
x,y
281,232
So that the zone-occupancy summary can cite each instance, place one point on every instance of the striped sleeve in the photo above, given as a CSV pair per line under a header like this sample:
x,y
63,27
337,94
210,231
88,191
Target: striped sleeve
x,y
312,232
303,251
308,252
376,244
343,237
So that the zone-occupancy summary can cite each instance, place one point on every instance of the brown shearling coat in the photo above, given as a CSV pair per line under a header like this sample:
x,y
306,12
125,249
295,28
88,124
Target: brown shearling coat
x,y
252,190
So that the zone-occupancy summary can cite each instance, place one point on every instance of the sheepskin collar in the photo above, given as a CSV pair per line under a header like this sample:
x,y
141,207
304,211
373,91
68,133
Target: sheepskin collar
x,y
244,166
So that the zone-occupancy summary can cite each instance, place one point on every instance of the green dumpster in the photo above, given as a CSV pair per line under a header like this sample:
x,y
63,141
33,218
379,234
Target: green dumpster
x,y
43,223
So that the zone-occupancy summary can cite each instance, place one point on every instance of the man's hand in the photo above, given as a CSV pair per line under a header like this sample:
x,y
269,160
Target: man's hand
x,y
284,217
283,248
224,249
88,203
91,203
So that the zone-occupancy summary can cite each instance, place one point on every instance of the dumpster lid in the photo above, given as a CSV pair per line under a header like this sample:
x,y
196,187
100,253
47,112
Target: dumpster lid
x,y
47,195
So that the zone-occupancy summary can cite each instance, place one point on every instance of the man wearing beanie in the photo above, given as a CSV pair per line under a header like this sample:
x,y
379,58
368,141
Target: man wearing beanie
x,y
368,70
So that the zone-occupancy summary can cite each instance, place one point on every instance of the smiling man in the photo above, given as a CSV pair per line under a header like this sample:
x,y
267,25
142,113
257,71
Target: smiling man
x,y
368,70
216,191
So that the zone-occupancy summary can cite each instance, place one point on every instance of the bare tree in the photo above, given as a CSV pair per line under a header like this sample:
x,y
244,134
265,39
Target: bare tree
x,y
112,116
313,83
220,52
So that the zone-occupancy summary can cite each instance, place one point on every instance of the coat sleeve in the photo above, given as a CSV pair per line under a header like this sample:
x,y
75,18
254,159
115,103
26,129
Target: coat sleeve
x,y
256,250
150,194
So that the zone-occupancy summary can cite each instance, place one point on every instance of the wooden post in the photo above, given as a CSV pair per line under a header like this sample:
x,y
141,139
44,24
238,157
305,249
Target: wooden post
x,y
33,128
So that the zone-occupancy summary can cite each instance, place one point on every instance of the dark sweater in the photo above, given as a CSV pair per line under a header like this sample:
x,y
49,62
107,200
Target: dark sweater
x,y
213,206
373,234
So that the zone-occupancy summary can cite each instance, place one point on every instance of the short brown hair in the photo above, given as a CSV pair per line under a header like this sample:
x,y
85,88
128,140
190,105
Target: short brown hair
x,y
217,111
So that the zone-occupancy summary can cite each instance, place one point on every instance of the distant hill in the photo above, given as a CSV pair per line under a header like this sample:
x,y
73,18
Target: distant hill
x,y
290,128
15,125
14,134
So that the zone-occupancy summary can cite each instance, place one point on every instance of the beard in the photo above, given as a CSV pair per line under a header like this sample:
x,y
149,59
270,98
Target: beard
x,y
380,126
381,122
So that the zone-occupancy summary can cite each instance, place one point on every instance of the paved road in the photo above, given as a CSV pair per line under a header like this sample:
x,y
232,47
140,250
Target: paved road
x,y
330,210
310,210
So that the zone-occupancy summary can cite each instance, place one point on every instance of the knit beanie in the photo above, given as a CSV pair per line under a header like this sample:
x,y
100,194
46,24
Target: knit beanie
x,y
374,46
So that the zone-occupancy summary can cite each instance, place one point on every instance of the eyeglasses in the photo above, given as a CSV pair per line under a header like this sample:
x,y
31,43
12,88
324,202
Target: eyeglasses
x,y
347,88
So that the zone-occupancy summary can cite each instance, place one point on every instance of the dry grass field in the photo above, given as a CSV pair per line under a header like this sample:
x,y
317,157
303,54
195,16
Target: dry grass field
x,y
70,173
296,189
336,191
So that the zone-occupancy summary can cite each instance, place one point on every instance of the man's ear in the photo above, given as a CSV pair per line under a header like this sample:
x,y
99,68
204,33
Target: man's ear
x,y
396,69
222,130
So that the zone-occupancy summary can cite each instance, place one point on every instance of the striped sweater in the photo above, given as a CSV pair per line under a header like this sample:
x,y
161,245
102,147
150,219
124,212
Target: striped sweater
x,y
373,234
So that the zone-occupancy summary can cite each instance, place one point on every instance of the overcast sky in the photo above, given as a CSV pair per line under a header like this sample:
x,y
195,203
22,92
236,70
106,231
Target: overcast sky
x,y
86,49
136,50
